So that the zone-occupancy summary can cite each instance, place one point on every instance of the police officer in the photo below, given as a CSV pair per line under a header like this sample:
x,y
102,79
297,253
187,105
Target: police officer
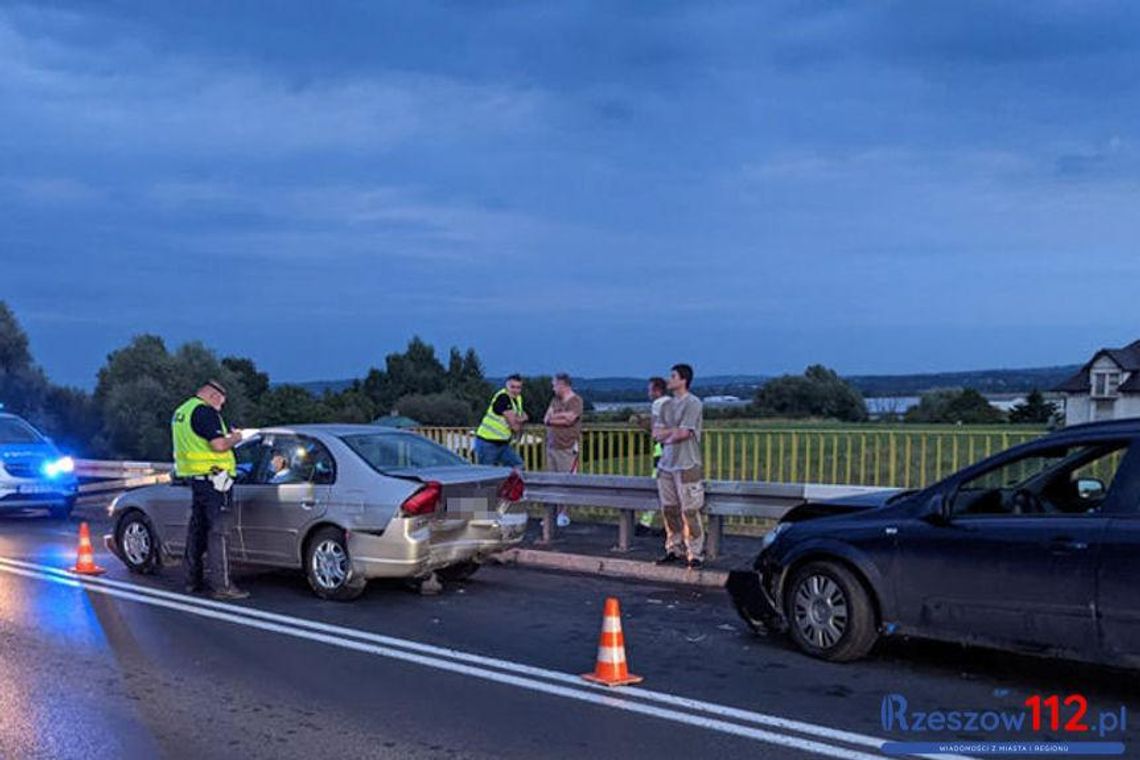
x,y
504,418
203,455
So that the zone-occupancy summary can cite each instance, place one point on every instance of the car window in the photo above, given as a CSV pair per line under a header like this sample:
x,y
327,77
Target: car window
x,y
248,455
296,459
14,430
1065,480
397,451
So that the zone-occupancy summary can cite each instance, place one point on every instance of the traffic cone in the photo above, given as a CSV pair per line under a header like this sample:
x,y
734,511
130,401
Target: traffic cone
x,y
611,669
85,563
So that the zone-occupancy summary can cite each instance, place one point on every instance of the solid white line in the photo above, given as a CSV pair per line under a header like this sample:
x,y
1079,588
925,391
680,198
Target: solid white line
x,y
672,700
578,694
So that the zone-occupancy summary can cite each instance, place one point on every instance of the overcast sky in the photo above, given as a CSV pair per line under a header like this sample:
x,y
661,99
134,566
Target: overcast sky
x,y
604,188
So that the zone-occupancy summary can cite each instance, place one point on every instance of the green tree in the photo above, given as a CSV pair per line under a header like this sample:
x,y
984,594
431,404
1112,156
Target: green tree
x,y
954,406
1034,410
289,405
436,409
537,392
819,392
23,385
255,382
140,386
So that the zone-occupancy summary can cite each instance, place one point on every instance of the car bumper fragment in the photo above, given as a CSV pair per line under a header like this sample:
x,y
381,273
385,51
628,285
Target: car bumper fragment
x,y
752,601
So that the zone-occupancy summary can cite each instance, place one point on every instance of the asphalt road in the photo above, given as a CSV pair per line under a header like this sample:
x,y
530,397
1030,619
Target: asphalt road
x,y
126,666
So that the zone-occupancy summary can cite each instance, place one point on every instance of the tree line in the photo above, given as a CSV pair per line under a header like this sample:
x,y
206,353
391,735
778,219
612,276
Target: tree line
x,y
127,415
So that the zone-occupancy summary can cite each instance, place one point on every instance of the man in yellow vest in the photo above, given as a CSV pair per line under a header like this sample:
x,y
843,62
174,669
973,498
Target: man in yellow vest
x,y
658,397
203,455
503,420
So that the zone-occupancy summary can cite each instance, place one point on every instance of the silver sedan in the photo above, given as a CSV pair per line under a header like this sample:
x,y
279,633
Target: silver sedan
x,y
344,503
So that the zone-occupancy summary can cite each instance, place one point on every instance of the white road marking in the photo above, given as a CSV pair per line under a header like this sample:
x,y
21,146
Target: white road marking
x,y
465,662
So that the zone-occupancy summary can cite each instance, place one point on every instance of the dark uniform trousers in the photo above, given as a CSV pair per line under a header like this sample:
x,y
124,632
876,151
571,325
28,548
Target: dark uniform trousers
x,y
210,515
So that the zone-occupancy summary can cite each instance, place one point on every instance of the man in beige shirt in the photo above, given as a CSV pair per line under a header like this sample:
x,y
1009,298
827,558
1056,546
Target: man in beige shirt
x,y
563,422
680,474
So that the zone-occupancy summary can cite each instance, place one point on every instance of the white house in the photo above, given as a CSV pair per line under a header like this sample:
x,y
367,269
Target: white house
x,y
1107,388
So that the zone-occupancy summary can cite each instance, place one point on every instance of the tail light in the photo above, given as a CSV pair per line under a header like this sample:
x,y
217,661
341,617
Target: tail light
x,y
512,488
424,501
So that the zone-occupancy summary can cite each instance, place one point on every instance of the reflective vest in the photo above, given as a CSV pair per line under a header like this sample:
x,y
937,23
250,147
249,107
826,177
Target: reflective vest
x,y
658,451
494,427
192,453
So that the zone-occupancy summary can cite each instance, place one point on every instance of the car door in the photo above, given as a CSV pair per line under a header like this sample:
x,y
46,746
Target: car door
x,y
1118,592
277,507
1014,557
175,507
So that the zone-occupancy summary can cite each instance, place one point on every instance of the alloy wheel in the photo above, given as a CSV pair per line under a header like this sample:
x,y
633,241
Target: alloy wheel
x,y
820,611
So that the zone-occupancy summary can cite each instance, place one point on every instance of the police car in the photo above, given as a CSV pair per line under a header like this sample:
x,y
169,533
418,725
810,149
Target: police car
x,y
34,474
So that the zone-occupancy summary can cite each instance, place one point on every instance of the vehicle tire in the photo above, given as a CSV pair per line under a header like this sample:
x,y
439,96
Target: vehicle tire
x,y
328,566
829,612
63,511
460,571
137,543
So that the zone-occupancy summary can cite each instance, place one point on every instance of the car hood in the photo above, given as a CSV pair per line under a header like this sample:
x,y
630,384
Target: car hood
x,y
852,503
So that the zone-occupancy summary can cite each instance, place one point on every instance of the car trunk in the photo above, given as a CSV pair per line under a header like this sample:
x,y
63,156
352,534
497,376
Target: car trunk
x,y
468,523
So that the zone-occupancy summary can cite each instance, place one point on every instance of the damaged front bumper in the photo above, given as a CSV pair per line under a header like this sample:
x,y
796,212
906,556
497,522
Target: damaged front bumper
x,y
755,602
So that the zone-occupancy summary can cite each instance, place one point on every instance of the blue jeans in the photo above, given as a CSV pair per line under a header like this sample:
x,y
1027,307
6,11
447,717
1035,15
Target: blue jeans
x,y
496,454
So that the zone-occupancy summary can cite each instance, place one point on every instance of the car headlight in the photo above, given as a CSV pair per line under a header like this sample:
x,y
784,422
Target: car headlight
x,y
57,467
771,536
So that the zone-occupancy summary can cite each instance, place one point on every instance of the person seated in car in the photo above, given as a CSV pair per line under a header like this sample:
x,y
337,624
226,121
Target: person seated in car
x,y
279,470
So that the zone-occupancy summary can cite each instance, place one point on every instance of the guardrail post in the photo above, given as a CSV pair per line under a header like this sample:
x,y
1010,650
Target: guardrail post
x,y
715,534
625,530
549,514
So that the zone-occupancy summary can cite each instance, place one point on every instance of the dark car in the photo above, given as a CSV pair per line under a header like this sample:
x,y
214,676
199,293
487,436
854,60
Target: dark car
x,y
1036,549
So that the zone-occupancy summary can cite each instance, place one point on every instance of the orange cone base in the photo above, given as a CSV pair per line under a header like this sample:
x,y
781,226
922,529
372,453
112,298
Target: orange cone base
x,y
629,679
93,570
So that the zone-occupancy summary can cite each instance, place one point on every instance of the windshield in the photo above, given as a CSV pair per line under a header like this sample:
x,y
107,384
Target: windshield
x,y
14,430
387,451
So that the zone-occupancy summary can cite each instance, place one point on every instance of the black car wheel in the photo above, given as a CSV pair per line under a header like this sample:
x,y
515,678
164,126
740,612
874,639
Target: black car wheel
x,y
460,571
137,543
329,567
829,612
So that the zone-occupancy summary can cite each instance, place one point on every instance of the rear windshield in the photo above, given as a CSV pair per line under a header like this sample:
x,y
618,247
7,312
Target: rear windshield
x,y
13,430
396,452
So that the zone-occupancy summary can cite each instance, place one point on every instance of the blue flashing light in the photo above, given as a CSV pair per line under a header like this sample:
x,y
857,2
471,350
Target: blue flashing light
x,y
57,467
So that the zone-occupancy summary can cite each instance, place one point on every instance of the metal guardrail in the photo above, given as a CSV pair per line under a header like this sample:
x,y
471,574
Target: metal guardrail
x,y
629,495
102,480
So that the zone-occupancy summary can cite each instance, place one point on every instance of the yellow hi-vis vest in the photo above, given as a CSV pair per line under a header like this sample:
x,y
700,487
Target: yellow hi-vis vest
x,y
658,451
192,453
494,427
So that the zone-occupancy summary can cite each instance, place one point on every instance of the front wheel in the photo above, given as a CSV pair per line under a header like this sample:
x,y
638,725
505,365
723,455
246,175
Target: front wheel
x,y
137,542
329,568
829,613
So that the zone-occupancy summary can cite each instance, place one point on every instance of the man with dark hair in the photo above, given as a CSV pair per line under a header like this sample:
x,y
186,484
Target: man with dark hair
x,y
503,420
563,422
680,474
658,396
203,454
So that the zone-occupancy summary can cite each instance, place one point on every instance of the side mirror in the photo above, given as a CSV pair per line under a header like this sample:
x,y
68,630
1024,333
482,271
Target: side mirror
x,y
1090,488
937,510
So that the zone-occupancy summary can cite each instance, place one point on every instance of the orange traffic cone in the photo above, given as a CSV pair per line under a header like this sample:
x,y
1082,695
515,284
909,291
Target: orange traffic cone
x,y
85,563
611,669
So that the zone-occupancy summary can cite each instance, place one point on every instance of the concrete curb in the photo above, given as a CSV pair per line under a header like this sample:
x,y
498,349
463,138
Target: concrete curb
x,y
617,568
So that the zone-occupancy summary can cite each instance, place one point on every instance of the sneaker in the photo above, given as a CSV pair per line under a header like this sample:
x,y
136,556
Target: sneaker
x,y
563,520
230,594
669,558
695,564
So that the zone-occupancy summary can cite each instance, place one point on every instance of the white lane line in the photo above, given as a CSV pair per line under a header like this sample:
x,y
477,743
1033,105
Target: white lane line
x,y
578,694
723,711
